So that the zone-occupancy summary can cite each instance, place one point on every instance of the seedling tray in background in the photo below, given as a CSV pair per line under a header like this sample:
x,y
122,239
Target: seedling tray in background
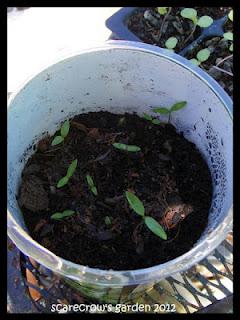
x,y
117,24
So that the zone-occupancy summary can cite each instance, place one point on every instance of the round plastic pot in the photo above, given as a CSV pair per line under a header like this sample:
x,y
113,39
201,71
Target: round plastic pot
x,y
122,77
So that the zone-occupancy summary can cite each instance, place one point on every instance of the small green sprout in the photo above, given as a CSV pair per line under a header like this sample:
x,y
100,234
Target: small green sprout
x,y
155,227
202,56
162,10
191,14
70,172
61,215
137,205
126,147
229,37
108,220
91,185
64,132
171,43
175,107
230,15
149,118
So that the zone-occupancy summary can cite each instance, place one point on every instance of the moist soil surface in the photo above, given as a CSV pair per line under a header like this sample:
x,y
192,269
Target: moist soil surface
x,y
147,24
169,176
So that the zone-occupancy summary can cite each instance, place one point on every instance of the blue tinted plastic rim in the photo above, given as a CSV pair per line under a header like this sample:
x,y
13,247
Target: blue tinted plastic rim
x,y
116,24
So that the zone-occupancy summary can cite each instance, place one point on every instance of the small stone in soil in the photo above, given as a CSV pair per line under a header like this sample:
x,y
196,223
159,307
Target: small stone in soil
x,y
33,195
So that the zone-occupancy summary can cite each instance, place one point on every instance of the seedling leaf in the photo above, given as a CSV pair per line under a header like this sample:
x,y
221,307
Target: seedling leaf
x,y
57,140
61,215
203,55
231,47
71,168
195,61
135,203
126,147
56,216
228,36
62,182
91,185
161,110
94,191
108,220
162,10
147,117
155,227
156,121
171,42
230,15
65,129
133,148
189,13
90,181
205,21
179,105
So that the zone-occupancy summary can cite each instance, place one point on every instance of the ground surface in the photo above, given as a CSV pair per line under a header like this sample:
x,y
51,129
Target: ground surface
x,y
168,175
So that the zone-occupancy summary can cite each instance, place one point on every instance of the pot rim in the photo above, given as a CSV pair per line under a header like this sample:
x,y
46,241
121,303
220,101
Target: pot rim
x,y
137,276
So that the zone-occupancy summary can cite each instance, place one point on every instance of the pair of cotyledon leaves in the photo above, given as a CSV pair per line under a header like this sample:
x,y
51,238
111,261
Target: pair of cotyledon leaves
x,y
137,205
191,14
64,132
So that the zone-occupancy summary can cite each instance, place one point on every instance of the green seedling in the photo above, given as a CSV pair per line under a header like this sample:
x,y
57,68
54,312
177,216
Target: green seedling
x,y
171,43
63,181
230,15
137,205
202,56
91,185
191,14
175,107
149,118
64,132
126,147
162,10
229,37
108,220
62,215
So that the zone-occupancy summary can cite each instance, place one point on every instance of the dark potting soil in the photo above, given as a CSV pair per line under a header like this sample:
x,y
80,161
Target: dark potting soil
x,y
220,57
214,12
146,23
169,175
228,26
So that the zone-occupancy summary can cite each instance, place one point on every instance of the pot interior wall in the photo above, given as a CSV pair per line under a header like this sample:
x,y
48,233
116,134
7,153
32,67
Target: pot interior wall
x,y
122,80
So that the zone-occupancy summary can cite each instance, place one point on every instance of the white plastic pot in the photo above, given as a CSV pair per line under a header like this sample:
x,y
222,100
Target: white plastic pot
x,y
119,77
